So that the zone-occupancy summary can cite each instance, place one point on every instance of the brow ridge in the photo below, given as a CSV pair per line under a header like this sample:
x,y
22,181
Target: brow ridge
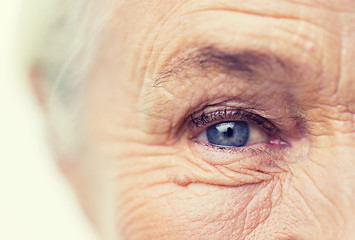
x,y
245,62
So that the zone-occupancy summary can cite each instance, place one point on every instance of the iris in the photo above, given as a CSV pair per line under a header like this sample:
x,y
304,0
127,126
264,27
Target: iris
x,y
228,134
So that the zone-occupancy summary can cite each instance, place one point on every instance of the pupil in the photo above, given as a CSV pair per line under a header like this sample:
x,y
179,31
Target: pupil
x,y
228,134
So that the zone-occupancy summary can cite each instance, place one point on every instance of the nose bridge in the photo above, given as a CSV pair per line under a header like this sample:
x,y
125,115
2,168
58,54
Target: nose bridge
x,y
329,170
345,87
335,149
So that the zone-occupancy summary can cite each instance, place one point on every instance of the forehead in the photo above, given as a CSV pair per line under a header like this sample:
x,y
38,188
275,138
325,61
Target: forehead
x,y
316,37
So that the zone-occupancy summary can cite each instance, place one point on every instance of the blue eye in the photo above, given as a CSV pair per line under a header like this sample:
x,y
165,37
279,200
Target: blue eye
x,y
234,128
228,134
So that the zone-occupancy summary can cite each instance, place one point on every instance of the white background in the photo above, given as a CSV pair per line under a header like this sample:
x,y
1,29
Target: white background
x,y
35,200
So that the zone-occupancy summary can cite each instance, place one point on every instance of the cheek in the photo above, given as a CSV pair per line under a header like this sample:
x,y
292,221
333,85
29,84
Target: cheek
x,y
151,204
161,209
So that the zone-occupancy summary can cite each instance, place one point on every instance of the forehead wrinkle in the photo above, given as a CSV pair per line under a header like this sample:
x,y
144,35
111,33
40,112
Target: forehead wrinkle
x,y
246,64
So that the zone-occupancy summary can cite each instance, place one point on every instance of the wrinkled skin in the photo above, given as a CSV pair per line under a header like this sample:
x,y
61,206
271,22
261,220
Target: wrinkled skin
x,y
142,174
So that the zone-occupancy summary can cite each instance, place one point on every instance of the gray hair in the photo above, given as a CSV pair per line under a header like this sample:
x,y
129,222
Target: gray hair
x,y
60,38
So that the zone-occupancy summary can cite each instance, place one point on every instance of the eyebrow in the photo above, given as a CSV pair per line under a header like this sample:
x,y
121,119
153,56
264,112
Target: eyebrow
x,y
245,63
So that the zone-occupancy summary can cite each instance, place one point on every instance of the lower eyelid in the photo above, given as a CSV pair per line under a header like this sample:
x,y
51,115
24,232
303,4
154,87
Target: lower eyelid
x,y
258,161
251,149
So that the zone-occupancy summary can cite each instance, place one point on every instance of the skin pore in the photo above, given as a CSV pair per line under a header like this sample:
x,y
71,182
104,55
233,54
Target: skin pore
x,y
170,69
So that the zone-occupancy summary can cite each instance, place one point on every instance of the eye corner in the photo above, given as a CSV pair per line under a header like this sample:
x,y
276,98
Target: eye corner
x,y
279,142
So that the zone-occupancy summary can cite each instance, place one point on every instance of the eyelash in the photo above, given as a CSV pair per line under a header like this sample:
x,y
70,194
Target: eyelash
x,y
233,114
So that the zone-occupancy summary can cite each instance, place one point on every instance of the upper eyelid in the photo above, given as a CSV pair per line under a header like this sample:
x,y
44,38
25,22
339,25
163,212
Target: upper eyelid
x,y
233,114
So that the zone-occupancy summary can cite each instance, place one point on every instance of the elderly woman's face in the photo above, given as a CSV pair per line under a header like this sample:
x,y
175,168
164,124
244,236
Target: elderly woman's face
x,y
223,120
